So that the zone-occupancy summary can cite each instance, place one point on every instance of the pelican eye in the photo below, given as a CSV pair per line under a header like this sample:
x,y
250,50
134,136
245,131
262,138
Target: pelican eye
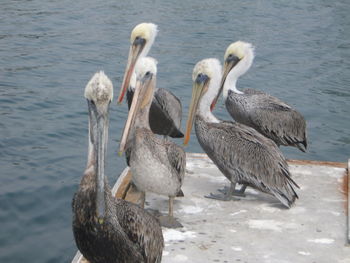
x,y
201,78
148,73
233,58
139,41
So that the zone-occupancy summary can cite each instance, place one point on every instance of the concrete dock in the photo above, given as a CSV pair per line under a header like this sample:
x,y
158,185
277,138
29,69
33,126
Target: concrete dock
x,y
257,228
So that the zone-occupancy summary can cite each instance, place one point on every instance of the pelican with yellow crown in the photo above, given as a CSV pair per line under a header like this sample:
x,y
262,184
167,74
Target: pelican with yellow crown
x,y
267,114
166,109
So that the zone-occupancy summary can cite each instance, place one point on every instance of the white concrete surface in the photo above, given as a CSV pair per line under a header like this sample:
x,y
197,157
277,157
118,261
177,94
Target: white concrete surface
x,y
256,228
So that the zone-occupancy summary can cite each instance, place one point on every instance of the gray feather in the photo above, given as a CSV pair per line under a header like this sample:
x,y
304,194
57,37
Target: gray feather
x,y
269,116
177,159
170,104
245,156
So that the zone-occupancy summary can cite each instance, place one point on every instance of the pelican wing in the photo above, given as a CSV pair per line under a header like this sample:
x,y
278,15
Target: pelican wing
x,y
245,156
271,117
280,121
165,152
165,113
170,104
142,229
167,108
265,101
129,96
177,159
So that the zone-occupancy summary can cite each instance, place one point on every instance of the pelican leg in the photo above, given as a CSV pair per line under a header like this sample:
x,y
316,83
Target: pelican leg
x,y
241,191
227,194
235,192
169,221
171,206
142,200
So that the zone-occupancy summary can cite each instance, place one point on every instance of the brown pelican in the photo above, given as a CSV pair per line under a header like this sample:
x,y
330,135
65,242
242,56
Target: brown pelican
x,y
156,165
108,229
267,114
241,153
166,109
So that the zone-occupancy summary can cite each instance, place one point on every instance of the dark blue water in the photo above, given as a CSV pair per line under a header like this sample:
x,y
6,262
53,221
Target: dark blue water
x,y
50,49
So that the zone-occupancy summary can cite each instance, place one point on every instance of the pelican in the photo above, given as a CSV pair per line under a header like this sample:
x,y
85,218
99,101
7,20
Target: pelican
x,y
166,109
107,229
242,154
156,165
267,114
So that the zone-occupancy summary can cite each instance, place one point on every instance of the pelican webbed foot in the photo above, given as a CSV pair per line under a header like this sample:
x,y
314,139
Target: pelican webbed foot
x,y
228,193
239,193
169,222
222,197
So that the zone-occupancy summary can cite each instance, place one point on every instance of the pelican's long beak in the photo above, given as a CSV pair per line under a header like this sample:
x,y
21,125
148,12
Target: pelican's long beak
x,y
134,53
200,86
98,130
143,95
230,62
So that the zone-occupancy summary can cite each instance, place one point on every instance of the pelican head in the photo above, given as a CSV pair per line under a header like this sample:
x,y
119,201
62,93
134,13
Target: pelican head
x,y
99,94
238,55
141,40
206,78
99,89
146,72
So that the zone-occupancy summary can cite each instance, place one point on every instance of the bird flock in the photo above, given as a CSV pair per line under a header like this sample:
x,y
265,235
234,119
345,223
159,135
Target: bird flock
x,y
245,150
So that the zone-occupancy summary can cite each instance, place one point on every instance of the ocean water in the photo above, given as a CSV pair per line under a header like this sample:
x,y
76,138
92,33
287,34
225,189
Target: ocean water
x,y
50,49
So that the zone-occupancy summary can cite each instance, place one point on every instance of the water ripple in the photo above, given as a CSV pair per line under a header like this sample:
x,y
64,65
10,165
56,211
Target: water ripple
x,y
50,49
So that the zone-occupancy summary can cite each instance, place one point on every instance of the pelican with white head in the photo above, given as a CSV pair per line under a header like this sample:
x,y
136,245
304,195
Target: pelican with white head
x,y
238,59
268,115
156,165
206,82
145,75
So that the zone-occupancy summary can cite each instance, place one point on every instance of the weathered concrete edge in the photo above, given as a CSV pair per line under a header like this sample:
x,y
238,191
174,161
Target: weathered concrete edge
x,y
320,163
